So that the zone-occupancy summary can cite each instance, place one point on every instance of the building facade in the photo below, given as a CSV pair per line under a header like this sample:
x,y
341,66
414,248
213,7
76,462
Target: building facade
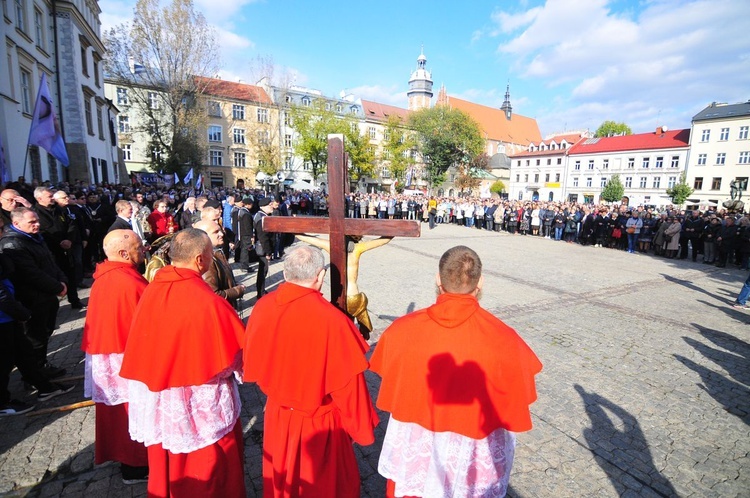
x,y
647,163
719,153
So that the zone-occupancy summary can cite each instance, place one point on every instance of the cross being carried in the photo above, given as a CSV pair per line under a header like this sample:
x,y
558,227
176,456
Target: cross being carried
x,y
344,270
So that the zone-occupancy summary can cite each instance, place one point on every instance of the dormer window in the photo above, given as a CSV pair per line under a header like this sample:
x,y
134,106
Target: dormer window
x,y
306,101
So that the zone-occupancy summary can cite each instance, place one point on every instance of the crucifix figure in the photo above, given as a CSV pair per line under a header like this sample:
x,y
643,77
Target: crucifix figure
x,y
338,228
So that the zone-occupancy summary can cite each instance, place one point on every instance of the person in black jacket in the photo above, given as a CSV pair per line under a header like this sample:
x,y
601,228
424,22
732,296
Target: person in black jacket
x,y
727,240
38,281
692,229
263,243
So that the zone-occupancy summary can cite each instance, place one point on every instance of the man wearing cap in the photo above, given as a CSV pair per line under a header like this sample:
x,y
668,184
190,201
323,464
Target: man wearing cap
x,y
263,243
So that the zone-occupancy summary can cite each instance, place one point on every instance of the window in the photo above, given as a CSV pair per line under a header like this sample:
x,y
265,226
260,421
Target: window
x,y
99,122
546,178
536,178
605,164
306,101
84,59
263,137
538,162
21,15
549,162
238,135
603,182
353,109
371,132
675,162
644,179
262,115
123,123
716,183
87,113
743,132
288,99
577,166
671,181
528,162
518,178
287,120
657,182
559,160
698,183
575,181
39,28
591,164
96,70
214,133
127,152
287,140
385,173
215,158
557,177
702,158
354,128
705,135
214,108
122,96
526,178
744,157
25,91
338,107
631,162
659,162
724,136
645,162
628,181
386,134
721,158
288,162
238,111
588,181
239,160
153,100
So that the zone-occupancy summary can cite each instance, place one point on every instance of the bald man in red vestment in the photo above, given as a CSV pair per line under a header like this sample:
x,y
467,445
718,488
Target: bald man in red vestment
x,y
116,291
309,358
183,353
458,383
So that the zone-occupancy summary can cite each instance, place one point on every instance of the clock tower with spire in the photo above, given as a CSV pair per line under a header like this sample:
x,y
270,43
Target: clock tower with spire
x,y
420,85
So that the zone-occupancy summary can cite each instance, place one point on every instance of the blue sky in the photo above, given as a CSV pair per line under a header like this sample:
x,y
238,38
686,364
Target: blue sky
x,y
571,64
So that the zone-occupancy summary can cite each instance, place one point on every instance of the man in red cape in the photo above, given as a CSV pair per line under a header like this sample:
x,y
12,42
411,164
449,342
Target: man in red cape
x,y
458,383
116,291
309,358
184,351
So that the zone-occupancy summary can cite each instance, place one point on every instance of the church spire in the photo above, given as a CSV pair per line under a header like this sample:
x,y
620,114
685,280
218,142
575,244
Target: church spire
x,y
420,85
506,107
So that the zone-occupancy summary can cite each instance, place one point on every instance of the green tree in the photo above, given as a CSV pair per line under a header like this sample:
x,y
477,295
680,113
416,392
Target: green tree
x,y
446,137
158,57
680,192
398,144
361,154
612,128
498,187
613,190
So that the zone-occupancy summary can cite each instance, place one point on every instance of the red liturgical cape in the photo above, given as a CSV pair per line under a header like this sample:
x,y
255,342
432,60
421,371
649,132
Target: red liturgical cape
x,y
174,344
115,294
309,359
455,367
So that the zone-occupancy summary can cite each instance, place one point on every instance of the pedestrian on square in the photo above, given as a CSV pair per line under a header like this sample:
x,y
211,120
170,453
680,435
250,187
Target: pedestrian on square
x,y
453,376
744,295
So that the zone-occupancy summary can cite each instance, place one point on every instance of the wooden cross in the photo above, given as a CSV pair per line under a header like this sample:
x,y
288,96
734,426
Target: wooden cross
x,y
336,225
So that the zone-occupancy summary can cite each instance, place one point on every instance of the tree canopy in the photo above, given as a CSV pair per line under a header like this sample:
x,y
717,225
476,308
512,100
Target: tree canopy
x,y
680,192
398,144
613,190
157,57
446,137
612,128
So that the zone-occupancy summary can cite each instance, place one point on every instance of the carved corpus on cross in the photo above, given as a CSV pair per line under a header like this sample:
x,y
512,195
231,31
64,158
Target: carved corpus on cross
x,y
336,225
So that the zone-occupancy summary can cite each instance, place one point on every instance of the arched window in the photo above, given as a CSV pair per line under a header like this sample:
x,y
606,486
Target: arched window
x,y
551,196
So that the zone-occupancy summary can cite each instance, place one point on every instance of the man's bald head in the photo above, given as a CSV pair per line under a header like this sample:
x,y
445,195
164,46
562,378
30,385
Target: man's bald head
x,y
124,246
191,248
214,231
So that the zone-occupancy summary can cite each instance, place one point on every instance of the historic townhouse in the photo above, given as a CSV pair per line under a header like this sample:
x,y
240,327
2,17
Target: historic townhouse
x,y
719,153
62,40
648,164
538,173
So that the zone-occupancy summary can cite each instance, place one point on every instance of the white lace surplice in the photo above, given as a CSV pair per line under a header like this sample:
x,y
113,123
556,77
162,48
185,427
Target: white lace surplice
x,y
102,382
446,464
185,419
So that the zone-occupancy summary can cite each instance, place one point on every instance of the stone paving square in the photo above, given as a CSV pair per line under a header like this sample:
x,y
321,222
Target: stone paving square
x,y
645,390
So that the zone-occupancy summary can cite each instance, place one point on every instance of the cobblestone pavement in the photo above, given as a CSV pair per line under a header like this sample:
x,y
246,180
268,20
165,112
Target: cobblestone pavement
x,y
645,389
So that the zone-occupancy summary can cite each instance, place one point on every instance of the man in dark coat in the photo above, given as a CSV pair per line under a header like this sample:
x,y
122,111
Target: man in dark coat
x,y
263,243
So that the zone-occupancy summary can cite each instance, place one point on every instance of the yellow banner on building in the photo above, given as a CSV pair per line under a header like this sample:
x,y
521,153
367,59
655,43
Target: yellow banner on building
x,y
552,185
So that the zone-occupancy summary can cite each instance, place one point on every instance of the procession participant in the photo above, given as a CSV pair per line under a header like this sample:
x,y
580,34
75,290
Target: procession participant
x,y
318,402
184,401
454,376
116,291
219,276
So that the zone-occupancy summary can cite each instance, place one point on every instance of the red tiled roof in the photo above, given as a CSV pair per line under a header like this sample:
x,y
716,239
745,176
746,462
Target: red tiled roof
x,y
381,112
642,141
232,90
526,153
519,130
571,138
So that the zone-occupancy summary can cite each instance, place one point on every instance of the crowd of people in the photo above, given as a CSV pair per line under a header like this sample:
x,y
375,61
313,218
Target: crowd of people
x,y
165,385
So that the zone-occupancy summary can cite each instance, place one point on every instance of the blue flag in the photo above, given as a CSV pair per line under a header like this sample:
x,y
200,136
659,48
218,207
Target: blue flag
x,y
45,129
189,176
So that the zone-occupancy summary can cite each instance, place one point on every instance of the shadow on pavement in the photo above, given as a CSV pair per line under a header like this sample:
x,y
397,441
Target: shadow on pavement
x,y
620,448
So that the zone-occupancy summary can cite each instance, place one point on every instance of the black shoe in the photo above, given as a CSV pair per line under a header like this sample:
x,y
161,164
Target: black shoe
x,y
52,372
250,270
55,390
77,305
15,407
133,475
83,285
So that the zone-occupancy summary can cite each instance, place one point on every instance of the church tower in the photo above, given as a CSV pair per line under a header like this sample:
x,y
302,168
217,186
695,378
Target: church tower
x,y
420,85
506,107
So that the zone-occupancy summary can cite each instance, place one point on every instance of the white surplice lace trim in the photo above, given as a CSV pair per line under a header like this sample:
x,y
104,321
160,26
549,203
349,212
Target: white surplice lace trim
x,y
185,419
446,464
102,382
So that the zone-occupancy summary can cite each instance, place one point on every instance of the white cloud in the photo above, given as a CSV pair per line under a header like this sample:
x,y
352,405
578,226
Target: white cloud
x,y
664,61
219,11
115,12
384,95
232,41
